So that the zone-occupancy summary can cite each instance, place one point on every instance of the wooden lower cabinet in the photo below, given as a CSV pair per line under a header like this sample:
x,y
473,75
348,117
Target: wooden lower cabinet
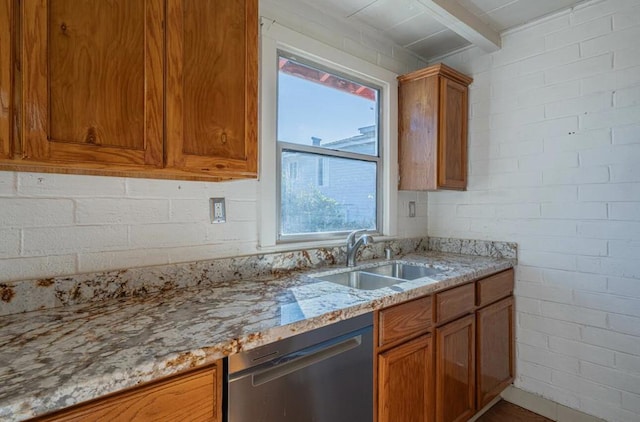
x,y
448,372
193,397
495,349
405,380
455,370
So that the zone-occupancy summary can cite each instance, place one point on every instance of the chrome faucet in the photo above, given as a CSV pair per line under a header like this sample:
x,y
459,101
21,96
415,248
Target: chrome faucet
x,y
353,245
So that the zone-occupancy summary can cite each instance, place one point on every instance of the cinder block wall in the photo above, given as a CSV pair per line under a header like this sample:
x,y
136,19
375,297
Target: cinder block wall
x,y
554,160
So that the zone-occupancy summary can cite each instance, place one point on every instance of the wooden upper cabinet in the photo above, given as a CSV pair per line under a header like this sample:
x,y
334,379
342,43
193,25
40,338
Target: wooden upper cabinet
x,y
6,88
212,82
92,89
432,124
452,143
139,88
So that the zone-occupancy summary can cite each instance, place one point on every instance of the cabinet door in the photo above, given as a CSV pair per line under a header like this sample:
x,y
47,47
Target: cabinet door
x,y
452,140
93,78
455,370
191,397
6,15
495,352
417,133
212,81
405,382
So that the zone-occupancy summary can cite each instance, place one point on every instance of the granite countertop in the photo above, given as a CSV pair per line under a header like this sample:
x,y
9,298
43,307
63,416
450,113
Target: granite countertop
x,y
55,358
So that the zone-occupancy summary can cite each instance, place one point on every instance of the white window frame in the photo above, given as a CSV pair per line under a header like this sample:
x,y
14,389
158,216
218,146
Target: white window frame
x,y
277,37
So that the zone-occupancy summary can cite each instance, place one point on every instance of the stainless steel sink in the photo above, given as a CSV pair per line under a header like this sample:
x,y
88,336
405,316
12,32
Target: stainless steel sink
x,y
378,277
361,280
404,271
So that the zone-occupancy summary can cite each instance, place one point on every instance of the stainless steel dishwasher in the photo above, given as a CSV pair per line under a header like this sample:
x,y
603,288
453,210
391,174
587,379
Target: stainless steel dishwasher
x,y
325,375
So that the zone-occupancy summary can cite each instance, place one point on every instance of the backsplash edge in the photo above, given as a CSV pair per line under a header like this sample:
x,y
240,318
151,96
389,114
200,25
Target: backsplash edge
x,y
38,294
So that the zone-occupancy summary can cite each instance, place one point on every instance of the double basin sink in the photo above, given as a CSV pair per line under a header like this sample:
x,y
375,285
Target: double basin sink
x,y
382,276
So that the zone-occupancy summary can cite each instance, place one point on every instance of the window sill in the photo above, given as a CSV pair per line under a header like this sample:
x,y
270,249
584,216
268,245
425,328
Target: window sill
x,y
316,244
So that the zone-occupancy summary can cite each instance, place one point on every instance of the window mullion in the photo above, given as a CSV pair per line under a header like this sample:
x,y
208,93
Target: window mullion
x,y
326,152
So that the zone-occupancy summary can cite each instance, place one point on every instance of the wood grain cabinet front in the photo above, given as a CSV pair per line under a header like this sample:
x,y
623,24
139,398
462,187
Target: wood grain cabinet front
x,y
6,75
495,349
453,303
398,323
405,379
192,397
141,88
92,82
455,370
432,129
212,86
404,369
494,287
448,367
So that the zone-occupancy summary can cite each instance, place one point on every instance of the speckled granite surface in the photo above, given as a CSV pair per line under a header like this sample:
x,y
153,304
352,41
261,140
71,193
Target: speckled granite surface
x,y
48,293
473,247
31,295
55,358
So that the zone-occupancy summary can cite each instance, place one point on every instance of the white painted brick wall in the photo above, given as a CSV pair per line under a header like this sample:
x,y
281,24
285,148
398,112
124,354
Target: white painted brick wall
x,y
548,325
42,266
9,242
37,212
594,354
585,389
566,187
7,183
54,224
626,58
627,363
63,240
624,286
121,211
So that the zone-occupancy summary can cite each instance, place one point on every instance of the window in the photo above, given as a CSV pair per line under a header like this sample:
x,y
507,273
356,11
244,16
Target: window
x,y
310,143
327,128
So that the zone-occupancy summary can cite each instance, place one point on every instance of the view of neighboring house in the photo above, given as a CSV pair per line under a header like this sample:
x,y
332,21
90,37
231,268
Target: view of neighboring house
x,y
351,187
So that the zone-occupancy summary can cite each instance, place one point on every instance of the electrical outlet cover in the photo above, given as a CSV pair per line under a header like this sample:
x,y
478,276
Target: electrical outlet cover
x,y
218,211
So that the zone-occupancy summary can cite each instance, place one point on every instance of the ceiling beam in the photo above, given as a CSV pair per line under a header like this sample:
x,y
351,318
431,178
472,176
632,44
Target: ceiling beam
x,y
464,23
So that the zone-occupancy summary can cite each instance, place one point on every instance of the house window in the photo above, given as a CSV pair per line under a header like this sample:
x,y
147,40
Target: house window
x,y
327,127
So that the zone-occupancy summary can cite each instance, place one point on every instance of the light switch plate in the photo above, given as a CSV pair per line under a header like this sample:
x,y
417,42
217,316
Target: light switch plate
x,y
218,210
412,209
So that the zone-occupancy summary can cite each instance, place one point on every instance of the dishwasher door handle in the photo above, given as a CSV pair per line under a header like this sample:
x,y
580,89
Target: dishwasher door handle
x,y
305,360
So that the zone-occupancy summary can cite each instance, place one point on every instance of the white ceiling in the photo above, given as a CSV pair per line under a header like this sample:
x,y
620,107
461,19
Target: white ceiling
x,y
414,25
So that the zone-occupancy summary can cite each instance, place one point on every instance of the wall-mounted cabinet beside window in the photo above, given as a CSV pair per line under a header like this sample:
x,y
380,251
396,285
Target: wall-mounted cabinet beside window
x,y
432,129
143,88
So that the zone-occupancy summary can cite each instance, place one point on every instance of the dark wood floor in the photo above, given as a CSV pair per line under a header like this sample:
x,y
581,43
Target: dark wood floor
x,y
506,412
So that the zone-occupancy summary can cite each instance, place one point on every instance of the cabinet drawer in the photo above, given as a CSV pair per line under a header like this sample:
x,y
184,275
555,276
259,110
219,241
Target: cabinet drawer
x,y
400,322
494,287
194,396
455,302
